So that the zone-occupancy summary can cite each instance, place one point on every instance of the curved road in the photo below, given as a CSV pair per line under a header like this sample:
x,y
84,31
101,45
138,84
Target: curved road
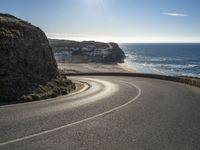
x,y
111,113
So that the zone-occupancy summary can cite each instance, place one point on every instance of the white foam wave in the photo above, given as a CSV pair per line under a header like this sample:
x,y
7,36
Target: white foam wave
x,y
151,65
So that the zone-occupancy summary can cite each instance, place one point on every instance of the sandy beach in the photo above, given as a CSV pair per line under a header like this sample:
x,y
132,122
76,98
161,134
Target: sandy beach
x,y
95,67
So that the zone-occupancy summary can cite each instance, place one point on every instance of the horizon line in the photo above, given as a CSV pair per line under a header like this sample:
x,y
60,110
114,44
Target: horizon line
x,y
125,39
146,42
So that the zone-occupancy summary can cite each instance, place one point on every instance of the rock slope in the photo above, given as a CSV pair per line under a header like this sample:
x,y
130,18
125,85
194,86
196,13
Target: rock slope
x,y
28,69
25,51
86,52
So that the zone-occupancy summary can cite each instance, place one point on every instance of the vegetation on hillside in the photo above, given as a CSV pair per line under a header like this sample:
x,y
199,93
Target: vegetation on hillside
x,y
17,91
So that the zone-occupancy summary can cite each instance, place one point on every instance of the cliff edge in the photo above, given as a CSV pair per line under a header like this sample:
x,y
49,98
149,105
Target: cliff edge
x,y
25,51
28,69
86,52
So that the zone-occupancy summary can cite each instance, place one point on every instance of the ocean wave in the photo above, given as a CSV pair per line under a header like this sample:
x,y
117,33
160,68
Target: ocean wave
x,y
164,59
168,65
140,58
167,69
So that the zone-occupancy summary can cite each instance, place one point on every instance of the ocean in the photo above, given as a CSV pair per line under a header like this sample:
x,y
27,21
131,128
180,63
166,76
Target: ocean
x,y
165,59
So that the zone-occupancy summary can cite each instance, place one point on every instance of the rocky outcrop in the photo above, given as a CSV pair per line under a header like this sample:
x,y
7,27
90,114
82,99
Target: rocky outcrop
x,y
115,54
25,51
26,61
86,52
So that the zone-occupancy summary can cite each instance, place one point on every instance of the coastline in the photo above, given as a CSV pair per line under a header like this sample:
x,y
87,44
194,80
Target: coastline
x,y
121,69
131,69
173,59
96,67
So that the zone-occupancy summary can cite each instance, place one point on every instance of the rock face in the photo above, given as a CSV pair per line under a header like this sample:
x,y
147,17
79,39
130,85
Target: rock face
x,y
25,51
86,52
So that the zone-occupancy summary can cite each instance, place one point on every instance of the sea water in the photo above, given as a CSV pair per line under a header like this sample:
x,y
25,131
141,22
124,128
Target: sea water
x,y
165,59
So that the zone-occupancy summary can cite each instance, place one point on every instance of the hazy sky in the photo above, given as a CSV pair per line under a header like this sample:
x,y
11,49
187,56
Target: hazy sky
x,y
112,20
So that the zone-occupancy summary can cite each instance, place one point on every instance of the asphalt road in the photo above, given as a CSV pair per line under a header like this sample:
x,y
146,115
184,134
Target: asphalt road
x,y
112,113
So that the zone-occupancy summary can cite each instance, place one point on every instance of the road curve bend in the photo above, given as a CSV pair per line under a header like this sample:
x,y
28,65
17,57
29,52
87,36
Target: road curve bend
x,y
113,113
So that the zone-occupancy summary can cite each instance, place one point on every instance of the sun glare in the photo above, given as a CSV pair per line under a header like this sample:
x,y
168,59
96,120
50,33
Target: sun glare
x,y
93,3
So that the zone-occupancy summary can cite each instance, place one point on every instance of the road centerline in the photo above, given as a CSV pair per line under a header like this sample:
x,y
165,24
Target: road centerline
x,y
77,122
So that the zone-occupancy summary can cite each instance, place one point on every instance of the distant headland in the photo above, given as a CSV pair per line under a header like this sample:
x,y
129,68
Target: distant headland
x,y
86,52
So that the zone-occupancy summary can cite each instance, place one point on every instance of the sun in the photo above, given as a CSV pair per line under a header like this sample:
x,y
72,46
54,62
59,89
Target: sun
x,y
94,2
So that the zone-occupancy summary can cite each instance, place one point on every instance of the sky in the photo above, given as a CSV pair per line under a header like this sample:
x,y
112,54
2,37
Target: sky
x,y
137,21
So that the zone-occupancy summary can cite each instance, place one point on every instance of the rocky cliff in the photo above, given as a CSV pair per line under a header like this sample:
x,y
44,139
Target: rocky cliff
x,y
86,52
28,70
25,51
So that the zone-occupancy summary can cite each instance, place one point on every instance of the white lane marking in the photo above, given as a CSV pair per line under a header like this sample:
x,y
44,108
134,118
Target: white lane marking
x,y
107,90
74,123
